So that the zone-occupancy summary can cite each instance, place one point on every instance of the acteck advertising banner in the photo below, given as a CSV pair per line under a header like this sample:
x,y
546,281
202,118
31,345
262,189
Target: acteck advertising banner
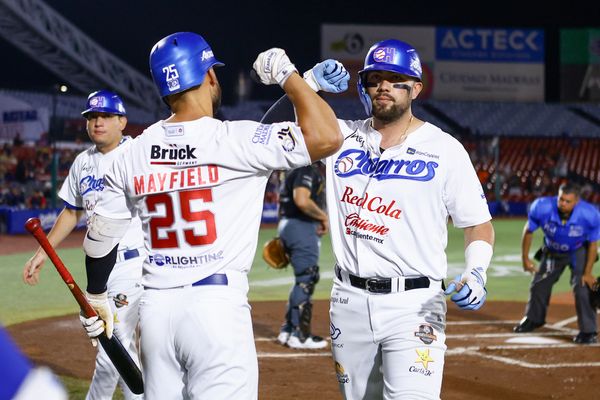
x,y
18,118
349,44
580,65
493,64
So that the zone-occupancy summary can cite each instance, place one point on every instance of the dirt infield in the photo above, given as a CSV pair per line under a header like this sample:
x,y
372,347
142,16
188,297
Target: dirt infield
x,y
483,360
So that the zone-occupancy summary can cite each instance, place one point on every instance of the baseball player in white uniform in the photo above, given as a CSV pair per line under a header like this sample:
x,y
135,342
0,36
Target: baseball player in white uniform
x,y
390,190
106,119
197,184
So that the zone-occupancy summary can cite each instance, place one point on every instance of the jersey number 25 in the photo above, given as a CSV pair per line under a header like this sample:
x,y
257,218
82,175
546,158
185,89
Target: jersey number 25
x,y
165,222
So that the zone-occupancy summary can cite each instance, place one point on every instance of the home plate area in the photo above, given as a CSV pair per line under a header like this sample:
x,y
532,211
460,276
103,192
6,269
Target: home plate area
x,y
485,358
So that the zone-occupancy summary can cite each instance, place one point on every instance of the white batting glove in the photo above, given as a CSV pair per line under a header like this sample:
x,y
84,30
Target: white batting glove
x,y
273,66
329,76
100,304
470,289
93,326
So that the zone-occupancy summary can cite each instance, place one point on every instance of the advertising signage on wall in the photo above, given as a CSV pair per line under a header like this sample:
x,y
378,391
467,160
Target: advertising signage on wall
x,y
349,44
459,63
580,65
490,45
494,64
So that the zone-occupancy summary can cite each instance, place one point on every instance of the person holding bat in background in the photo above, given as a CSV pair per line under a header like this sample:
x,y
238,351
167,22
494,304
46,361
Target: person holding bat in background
x,y
198,183
106,119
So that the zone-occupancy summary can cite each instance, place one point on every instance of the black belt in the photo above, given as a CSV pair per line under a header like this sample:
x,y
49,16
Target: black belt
x,y
383,285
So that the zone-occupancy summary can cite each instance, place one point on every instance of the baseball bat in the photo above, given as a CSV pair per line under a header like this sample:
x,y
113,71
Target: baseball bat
x,y
121,359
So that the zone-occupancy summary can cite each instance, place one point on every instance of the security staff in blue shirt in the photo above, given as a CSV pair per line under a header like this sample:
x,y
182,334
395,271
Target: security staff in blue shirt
x,y
302,222
571,229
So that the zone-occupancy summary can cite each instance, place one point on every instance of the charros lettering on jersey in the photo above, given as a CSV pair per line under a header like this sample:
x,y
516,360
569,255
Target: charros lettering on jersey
x,y
90,183
359,162
186,178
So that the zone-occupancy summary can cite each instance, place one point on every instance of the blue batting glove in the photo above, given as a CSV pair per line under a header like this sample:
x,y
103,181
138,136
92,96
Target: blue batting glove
x,y
329,76
470,290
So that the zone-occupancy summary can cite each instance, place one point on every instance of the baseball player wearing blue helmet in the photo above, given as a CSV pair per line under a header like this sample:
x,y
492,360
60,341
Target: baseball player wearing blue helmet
x,y
392,187
388,55
180,61
194,181
83,186
104,101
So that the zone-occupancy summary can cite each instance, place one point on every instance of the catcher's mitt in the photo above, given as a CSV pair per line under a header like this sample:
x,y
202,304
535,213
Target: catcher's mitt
x,y
274,254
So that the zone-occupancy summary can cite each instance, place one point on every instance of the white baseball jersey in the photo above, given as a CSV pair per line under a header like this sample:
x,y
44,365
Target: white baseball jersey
x,y
84,186
198,187
389,211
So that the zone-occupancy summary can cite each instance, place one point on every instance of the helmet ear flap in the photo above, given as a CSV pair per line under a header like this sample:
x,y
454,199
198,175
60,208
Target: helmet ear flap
x,y
365,99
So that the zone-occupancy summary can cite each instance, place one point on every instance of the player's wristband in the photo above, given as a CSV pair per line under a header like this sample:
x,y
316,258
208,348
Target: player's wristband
x,y
478,254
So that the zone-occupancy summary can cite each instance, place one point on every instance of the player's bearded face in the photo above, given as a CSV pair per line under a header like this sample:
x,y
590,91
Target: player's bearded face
x,y
390,95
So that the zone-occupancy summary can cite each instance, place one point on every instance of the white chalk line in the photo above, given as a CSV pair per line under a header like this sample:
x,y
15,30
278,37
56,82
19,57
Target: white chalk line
x,y
477,351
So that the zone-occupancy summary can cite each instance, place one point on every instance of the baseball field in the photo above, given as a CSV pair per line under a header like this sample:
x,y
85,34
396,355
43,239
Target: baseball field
x,y
485,359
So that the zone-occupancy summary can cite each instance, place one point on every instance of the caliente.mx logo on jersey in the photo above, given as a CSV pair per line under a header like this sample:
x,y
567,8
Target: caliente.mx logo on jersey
x,y
359,162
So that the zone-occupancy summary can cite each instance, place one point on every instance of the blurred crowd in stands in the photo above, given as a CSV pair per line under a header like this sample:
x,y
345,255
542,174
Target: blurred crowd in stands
x,y
528,168
26,174
522,169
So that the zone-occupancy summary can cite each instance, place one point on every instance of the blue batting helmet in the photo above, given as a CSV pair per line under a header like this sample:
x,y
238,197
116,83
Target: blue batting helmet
x,y
389,55
104,101
180,61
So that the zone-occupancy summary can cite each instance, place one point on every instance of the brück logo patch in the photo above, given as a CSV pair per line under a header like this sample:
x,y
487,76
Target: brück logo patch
x,y
172,156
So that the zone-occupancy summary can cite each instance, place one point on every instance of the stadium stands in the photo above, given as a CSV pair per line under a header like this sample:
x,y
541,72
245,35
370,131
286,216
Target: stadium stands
x,y
540,145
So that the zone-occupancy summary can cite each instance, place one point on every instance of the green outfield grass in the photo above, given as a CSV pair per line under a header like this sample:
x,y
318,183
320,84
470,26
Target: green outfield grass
x,y
20,302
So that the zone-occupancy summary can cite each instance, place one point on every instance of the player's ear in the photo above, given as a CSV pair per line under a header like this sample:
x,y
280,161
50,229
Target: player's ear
x,y
211,77
122,122
416,89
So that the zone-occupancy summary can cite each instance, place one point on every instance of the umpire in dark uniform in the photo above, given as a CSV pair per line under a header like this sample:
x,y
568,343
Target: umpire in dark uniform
x,y
571,229
302,223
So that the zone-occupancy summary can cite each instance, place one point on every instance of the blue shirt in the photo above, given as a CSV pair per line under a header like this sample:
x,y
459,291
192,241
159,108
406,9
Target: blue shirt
x,y
583,224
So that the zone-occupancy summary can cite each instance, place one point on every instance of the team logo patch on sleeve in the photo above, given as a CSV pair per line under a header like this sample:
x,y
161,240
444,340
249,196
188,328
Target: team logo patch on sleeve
x,y
288,141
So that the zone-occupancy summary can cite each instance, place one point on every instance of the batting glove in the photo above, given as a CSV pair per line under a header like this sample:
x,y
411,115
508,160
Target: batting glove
x,y
470,289
93,326
329,76
100,304
273,66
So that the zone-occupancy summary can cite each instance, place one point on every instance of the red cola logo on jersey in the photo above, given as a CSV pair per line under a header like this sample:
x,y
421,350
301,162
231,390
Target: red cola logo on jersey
x,y
375,204
358,162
